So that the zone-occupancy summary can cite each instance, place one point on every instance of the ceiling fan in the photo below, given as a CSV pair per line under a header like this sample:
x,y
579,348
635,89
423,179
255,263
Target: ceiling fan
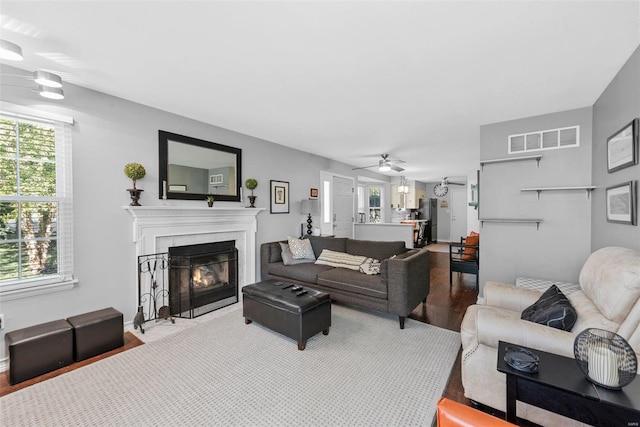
x,y
385,164
445,182
441,189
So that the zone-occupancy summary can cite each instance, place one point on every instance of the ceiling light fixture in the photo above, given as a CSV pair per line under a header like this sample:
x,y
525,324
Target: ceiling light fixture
x,y
45,78
51,92
384,166
403,187
10,51
49,84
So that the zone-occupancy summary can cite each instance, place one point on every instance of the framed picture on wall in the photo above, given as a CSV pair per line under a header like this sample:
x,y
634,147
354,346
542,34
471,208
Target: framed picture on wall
x,y
621,203
622,147
279,197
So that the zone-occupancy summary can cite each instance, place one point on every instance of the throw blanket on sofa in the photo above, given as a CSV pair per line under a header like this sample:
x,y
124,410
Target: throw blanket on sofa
x,y
352,262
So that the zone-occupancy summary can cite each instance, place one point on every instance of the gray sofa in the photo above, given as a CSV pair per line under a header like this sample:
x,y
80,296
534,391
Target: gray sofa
x,y
402,284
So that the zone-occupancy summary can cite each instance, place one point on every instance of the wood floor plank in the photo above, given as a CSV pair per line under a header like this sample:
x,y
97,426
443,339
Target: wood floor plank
x,y
130,341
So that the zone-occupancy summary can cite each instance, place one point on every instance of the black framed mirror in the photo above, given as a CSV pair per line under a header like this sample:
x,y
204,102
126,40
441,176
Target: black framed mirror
x,y
191,169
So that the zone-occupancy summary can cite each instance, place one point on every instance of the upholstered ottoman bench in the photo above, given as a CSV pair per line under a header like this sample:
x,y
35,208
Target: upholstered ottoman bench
x,y
292,311
39,349
96,332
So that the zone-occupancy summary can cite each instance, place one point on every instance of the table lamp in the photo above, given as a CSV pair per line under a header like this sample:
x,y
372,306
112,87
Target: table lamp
x,y
310,207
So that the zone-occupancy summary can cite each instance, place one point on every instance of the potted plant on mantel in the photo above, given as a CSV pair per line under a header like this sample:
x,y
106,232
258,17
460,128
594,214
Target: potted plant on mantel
x,y
134,171
210,200
251,184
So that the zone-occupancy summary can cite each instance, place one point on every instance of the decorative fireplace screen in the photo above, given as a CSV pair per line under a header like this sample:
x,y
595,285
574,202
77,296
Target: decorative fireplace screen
x,y
202,278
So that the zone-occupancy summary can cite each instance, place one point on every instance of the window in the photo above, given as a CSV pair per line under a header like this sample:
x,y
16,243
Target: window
x,y
370,203
35,203
375,204
545,140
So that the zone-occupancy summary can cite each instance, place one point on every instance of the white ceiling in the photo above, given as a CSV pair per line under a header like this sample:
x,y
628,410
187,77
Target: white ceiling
x,y
344,80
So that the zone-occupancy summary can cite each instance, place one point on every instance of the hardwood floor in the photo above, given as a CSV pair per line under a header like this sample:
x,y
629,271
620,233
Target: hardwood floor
x,y
446,306
130,341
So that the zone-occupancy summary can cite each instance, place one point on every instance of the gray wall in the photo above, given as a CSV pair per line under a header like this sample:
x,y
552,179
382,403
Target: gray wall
x,y
617,106
110,132
560,247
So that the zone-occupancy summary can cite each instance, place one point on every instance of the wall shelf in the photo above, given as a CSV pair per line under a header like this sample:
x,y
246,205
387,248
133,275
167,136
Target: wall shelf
x,y
587,188
536,221
510,159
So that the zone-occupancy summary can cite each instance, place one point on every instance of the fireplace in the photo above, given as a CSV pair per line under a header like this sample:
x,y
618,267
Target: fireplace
x,y
202,278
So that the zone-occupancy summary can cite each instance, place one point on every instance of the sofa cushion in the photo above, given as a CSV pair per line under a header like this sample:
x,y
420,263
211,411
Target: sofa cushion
x,y
375,249
341,259
275,252
319,243
552,309
301,272
287,256
611,279
588,314
353,281
301,248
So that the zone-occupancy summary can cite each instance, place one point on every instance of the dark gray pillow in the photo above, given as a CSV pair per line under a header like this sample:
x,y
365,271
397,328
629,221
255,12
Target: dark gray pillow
x,y
552,309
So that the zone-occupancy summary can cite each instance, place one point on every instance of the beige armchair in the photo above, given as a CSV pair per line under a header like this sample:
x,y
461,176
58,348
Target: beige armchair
x,y
608,299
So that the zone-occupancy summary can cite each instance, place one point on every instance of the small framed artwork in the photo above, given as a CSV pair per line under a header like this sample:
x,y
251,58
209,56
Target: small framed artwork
x,y
621,203
313,193
279,197
622,147
177,187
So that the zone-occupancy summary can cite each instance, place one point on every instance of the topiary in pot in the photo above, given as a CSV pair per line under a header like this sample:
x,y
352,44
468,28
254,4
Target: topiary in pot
x,y
251,184
134,171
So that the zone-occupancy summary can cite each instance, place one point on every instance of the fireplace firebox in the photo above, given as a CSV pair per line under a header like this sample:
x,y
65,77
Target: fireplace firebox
x,y
202,278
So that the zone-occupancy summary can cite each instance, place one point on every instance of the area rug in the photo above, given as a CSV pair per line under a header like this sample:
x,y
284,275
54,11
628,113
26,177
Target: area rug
x,y
367,371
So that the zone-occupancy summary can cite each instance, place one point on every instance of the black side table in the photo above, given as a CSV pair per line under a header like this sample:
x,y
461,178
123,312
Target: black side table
x,y
561,387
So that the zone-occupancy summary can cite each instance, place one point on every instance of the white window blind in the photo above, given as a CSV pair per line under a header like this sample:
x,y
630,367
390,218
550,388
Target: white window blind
x,y
36,202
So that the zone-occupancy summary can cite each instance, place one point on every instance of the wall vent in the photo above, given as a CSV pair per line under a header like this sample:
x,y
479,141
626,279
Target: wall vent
x,y
550,139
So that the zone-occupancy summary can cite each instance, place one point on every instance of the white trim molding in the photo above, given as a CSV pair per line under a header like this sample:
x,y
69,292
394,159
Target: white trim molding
x,y
156,228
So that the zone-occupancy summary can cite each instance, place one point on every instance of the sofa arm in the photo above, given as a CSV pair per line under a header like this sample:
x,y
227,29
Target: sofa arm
x,y
493,326
407,281
269,252
504,295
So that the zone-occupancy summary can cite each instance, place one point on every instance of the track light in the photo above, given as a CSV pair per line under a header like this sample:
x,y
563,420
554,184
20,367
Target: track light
x,y
10,51
49,84
45,78
51,92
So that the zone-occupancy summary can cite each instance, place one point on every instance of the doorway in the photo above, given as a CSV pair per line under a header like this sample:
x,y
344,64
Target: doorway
x,y
458,213
337,205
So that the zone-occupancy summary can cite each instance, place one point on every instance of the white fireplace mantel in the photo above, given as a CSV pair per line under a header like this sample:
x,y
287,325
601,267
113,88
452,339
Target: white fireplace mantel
x,y
156,228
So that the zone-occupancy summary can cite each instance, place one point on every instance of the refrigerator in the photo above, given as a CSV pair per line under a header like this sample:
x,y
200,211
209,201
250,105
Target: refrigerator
x,y
429,210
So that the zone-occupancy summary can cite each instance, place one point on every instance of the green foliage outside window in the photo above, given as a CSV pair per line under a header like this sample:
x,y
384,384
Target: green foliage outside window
x,y
28,209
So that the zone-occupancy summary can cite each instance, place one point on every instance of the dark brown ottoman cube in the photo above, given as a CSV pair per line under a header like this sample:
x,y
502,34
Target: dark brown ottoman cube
x,y
277,306
38,349
96,332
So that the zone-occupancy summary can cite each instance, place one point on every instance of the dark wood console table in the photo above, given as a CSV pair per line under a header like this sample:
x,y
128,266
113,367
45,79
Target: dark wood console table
x,y
561,387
